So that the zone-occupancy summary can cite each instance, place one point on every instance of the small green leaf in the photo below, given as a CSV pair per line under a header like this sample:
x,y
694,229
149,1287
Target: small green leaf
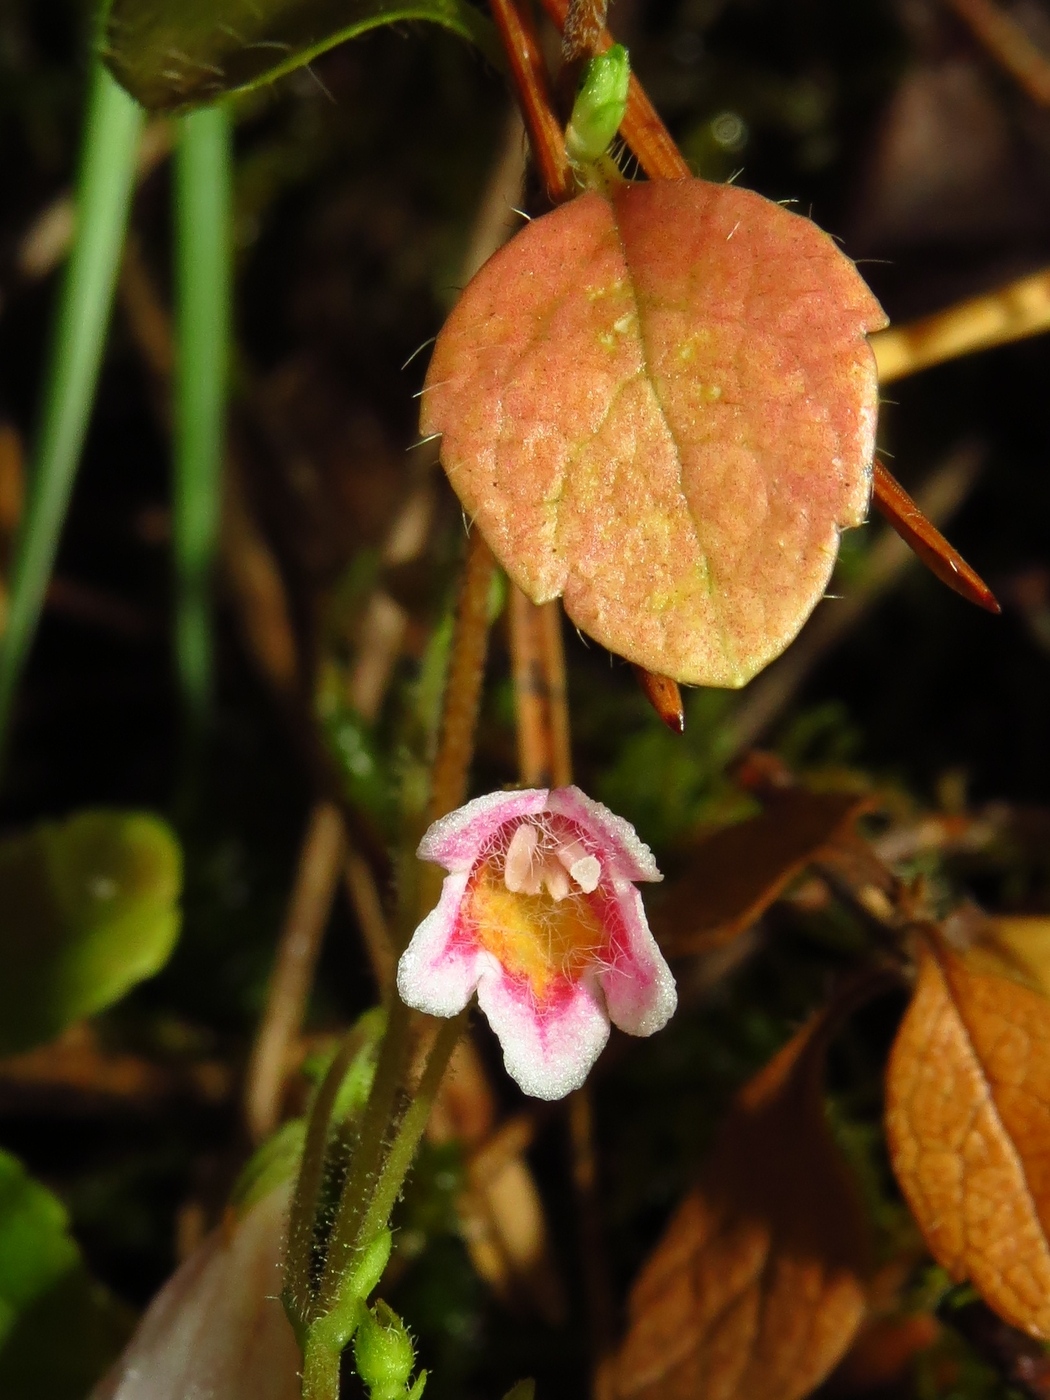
x,y
599,106
58,1329
181,53
88,907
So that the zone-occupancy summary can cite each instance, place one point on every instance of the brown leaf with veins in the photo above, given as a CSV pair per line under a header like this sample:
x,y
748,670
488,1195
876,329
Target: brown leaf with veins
x,y
661,406
756,1289
968,1122
737,873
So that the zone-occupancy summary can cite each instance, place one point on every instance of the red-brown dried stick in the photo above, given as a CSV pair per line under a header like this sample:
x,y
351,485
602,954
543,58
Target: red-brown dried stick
x,y
517,31
923,537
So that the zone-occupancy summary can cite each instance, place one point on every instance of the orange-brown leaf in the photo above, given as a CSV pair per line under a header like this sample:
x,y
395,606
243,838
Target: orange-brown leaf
x,y
661,407
756,1289
968,1121
738,872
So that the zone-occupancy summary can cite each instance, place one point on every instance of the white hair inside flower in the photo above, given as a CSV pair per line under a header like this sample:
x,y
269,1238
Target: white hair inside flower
x,y
540,916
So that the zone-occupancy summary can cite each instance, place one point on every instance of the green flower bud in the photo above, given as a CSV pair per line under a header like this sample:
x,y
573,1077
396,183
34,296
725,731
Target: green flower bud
x,y
599,107
383,1352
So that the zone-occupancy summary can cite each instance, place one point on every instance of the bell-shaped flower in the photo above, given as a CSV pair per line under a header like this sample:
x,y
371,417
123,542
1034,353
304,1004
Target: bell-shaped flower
x,y
539,914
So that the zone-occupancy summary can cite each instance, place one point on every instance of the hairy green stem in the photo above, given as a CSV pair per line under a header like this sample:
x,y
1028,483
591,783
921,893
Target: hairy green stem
x,y
330,1333
298,1284
380,1113
403,1148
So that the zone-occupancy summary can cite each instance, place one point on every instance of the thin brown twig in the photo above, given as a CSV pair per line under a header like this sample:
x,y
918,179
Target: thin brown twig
x,y
448,786
74,1076
641,127
583,30
521,42
600,1310
940,496
1000,317
363,893
313,892
920,535
49,237
1009,45
538,665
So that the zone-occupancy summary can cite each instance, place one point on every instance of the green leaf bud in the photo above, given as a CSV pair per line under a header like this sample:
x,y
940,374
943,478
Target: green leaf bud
x,y
383,1352
599,106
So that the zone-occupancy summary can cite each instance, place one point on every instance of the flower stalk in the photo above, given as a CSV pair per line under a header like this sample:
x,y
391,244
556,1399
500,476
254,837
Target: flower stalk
x,y
327,1311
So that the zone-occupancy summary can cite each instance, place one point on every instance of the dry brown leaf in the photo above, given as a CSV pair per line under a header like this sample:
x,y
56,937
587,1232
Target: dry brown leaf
x,y
1021,943
968,1121
756,1289
737,873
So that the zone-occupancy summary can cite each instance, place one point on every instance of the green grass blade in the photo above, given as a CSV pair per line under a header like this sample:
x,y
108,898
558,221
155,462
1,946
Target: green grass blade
x,y
203,292
106,179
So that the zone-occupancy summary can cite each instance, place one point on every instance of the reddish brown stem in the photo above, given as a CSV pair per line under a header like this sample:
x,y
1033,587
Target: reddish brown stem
x,y
521,41
926,540
666,699
641,127
544,754
584,27
448,785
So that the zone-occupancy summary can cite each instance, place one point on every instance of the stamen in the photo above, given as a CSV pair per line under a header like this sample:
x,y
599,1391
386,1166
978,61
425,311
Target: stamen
x,y
585,869
556,880
519,870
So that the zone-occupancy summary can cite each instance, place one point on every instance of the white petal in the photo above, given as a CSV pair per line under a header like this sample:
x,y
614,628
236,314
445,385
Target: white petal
x,y
616,842
548,1051
455,840
435,974
639,988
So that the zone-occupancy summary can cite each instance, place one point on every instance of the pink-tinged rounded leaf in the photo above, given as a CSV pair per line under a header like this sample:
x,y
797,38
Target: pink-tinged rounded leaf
x,y
661,406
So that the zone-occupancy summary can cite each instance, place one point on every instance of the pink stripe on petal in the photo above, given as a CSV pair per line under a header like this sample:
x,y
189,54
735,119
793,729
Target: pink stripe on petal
x,y
438,970
549,1049
638,986
616,839
456,840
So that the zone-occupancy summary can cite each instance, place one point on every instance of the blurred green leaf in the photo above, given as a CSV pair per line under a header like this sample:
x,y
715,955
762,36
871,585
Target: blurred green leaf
x,y
88,907
352,744
58,1329
275,1162
182,53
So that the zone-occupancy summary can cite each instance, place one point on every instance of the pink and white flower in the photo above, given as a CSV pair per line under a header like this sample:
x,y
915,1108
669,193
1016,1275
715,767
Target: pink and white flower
x,y
540,916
